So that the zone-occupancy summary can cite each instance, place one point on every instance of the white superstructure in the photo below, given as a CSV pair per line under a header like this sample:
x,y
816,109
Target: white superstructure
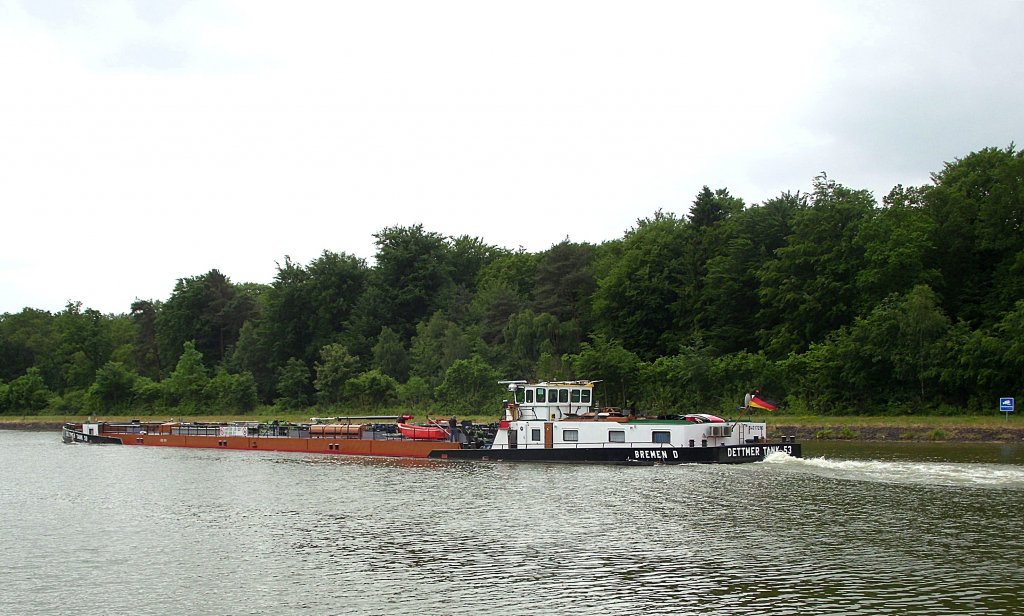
x,y
565,414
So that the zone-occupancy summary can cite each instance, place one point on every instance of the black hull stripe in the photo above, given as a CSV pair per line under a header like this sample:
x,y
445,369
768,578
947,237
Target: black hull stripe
x,y
737,454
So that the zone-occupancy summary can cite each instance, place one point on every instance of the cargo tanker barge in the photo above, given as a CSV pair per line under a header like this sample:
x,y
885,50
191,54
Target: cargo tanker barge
x,y
357,436
543,422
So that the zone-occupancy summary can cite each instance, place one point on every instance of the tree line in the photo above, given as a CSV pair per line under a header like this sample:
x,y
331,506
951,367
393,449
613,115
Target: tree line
x,y
828,301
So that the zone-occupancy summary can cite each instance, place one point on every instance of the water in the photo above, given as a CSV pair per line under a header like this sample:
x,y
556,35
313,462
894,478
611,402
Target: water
x,y
126,530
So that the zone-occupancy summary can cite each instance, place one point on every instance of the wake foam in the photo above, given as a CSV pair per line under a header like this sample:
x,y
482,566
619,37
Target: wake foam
x,y
1005,476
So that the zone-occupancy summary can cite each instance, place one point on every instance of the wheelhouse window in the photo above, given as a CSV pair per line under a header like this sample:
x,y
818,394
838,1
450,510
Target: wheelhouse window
x,y
563,395
661,436
529,396
616,436
586,396
571,435
575,396
540,394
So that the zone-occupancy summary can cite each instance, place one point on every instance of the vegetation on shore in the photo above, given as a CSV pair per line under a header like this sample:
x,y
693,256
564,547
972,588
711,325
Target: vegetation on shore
x,y
831,303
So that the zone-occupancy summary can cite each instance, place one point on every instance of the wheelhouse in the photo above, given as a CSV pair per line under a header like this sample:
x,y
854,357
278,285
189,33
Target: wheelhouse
x,y
550,401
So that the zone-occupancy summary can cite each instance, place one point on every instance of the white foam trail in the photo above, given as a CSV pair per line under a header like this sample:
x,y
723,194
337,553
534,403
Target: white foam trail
x,y
1005,476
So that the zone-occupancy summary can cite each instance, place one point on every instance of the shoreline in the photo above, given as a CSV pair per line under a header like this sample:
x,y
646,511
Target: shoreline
x,y
878,430
918,434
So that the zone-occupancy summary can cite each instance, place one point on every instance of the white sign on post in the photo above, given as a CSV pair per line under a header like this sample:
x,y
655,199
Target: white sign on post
x,y
1006,406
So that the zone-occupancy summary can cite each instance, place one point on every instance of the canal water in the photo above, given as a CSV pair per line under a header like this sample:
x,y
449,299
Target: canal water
x,y
851,529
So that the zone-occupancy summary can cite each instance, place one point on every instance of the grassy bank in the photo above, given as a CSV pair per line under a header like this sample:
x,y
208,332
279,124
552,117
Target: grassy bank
x,y
964,428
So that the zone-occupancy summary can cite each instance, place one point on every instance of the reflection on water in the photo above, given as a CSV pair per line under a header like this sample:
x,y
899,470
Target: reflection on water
x,y
153,531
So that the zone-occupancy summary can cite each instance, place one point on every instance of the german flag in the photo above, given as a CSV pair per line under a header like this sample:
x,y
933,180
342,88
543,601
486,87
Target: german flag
x,y
757,401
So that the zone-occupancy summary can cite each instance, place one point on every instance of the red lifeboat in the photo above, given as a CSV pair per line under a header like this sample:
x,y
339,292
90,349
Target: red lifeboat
x,y
423,433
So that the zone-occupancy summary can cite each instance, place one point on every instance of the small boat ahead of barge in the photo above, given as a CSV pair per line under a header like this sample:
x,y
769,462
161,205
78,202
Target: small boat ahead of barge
x,y
561,422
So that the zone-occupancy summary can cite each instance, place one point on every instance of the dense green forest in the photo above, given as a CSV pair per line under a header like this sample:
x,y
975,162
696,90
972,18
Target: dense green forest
x,y
829,302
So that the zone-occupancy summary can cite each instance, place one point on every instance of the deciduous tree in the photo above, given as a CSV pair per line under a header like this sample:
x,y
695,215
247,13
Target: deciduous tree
x,y
293,387
112,389
335,368
372,390
638,300
470,386
390,356
617,368
810,289
187,384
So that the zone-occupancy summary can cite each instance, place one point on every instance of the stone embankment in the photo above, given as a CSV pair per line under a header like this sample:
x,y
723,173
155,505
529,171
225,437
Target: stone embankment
x,y
965,434
35,426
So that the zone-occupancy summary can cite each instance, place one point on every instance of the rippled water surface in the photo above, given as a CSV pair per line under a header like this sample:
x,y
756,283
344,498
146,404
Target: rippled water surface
x,y
127,530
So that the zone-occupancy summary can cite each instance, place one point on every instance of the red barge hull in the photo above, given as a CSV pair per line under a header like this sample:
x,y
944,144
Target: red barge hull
x,y
327,444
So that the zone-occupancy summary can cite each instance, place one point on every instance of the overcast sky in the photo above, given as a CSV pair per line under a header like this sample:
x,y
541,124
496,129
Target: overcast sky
x,y
150,140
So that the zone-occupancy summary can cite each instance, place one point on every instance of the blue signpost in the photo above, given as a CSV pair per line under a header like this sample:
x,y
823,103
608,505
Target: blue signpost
x,y
1006,406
